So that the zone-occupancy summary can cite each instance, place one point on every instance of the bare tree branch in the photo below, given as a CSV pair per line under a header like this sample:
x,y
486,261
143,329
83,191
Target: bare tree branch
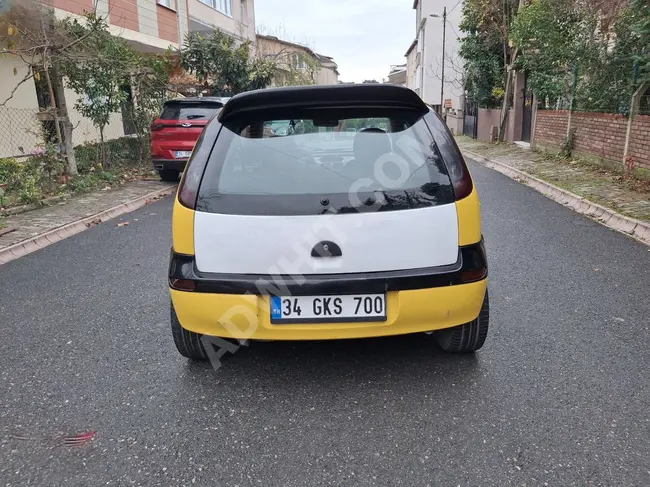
x,y
27,77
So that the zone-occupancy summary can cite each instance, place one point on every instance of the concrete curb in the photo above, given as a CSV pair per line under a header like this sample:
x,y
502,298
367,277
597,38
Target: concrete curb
x,y
629,226
17,210
33,244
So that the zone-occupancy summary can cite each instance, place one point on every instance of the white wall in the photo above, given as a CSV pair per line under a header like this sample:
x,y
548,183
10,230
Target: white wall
x,y
432,53
327,76
241,23
19,123
84,130
19,126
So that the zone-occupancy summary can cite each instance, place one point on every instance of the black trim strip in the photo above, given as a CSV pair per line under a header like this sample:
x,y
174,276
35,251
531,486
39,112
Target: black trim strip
x,y
321,321
471,258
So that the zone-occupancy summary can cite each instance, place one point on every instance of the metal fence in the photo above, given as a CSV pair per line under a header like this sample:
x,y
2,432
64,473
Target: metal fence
x,y
20,131
24,131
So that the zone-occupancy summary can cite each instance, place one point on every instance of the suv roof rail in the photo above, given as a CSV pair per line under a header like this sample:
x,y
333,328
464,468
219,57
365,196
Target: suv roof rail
x,y
196,99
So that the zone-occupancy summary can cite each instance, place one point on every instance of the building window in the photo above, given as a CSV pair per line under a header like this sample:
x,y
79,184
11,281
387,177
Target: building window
x,y
298,61
166,3
223,6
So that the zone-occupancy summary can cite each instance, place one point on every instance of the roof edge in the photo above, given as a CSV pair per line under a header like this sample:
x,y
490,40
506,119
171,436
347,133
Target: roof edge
x,y
413,44
321,96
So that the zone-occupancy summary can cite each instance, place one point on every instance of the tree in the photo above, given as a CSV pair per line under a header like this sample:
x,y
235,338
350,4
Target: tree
x,y
294,68
489,56
639,12
149,84
224,66
36,37
552,36
582,52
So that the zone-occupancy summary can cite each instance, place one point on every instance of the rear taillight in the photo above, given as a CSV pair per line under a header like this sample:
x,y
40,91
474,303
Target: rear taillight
x,y
157,127
451,155
182,284
475,265
460,178
189,187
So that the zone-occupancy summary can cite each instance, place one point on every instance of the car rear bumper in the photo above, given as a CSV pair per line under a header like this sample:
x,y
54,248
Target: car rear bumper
x,y
417,300
169,164
247,316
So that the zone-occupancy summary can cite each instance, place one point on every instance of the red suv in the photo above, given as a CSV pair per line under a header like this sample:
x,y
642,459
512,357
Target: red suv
x,y
175,132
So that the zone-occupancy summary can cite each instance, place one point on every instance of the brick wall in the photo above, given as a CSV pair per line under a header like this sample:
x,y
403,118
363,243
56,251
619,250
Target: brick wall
x,y
597,134
640,141
550,127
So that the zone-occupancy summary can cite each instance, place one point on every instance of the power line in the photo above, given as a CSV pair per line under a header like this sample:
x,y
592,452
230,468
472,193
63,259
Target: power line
x,y
454,7
453,28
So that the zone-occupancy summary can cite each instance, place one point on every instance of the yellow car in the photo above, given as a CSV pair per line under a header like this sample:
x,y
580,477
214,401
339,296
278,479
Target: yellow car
x,y
312,236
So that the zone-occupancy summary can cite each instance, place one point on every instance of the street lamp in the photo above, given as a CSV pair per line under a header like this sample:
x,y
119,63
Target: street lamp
x,y
444,38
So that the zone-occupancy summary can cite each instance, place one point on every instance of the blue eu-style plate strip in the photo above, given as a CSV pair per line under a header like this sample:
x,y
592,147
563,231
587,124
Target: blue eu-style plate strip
x,y
276,307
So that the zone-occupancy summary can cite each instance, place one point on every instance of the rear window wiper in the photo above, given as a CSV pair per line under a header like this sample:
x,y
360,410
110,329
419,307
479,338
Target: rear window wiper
x,y
192,117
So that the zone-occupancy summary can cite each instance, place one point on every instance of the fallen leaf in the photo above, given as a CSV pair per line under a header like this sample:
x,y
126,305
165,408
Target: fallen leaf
x,y
122,224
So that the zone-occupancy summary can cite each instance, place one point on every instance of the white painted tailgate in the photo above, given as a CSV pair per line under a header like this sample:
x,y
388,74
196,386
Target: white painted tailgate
x,y
370,242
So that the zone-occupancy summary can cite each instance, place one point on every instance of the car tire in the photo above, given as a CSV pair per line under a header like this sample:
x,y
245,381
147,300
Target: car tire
x,y
188,343
468,337
168,175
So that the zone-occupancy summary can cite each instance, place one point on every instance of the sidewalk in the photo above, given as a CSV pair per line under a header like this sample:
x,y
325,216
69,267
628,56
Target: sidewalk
x,y
630,198
75,214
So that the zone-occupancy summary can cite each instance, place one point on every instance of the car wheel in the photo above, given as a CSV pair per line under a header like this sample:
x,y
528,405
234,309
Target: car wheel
x,y
468,337
188,343
168,175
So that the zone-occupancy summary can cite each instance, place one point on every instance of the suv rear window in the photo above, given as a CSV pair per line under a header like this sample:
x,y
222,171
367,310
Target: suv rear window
x,y
383,159
190,111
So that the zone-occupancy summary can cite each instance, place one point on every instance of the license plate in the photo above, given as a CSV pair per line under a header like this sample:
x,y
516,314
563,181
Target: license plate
x,y
328,309
183,154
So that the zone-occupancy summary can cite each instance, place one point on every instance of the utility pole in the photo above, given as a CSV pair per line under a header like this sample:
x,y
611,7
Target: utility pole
x,y
442,80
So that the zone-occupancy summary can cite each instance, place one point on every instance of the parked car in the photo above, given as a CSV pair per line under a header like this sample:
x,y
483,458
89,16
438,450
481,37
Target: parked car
x,y
175,132
304,237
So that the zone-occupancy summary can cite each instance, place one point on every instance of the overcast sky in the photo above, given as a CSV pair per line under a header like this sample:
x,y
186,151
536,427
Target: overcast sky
x,y
363,36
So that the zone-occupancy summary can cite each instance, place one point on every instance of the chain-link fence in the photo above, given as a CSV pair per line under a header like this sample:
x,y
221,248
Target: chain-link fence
x,y
20,131
33,163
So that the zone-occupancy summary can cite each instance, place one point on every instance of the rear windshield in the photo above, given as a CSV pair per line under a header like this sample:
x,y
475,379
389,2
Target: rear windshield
x,y
339,163
178,111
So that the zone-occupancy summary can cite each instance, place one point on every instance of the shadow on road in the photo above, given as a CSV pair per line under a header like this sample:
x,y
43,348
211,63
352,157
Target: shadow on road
x,y
392,361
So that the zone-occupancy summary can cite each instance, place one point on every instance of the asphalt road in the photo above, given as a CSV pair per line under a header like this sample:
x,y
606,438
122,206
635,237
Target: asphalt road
x,y
559,395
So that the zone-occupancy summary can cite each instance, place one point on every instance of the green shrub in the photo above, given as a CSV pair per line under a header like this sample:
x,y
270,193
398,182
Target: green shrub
x,y
29,190
122,152
11,172
87,156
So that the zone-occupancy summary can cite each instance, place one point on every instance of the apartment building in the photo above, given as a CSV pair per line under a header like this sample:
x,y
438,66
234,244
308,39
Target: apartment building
x,y
237,17
291,57
397,75
148,25
425,54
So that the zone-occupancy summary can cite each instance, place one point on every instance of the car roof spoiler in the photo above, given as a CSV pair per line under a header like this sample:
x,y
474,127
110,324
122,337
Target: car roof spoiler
x,y
362,95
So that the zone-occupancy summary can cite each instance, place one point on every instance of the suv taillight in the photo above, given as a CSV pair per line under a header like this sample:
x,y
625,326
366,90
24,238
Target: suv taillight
x,y
157,127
